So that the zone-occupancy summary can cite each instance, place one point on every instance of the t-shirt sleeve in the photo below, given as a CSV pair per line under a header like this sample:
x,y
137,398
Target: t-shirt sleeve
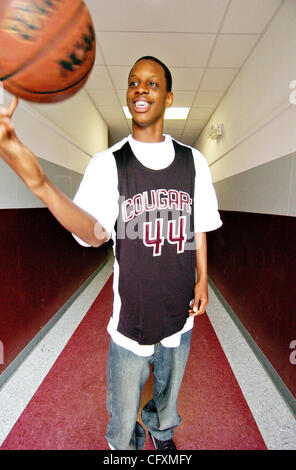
x,y
206,214
98,192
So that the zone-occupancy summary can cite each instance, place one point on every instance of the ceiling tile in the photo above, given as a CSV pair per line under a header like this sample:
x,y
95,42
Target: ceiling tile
x,y
99,79
208,98
122,97
183,98
111,112
200,113
99,58
186,78
194,124
249,16
155,15
217,79
182,35
232,49
186,50
176,124
104,97
119,75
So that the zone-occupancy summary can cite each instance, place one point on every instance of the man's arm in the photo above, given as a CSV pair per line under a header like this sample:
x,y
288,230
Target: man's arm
x,y
25,164
201,287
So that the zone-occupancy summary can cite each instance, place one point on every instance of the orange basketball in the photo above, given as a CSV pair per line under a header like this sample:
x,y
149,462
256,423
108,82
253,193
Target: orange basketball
x,y
47,48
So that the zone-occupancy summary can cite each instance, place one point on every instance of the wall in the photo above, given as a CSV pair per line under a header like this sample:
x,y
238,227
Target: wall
x,y
41,264
253,168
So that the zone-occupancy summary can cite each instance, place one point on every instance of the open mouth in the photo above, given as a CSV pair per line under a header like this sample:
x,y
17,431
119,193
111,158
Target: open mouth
x,y
141,106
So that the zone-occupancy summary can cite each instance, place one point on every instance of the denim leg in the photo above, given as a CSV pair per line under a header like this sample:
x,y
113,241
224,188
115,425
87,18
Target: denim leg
x,y
160,414
126,376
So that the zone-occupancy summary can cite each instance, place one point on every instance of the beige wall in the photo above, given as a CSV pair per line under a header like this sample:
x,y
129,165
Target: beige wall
x,y
259,120
67,133
64,137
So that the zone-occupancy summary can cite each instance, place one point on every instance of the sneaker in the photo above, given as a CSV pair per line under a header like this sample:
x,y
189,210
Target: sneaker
x,y
162,445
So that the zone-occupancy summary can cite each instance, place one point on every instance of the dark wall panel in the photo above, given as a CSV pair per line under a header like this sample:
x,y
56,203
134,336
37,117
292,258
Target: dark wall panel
x,y
252,263
41,266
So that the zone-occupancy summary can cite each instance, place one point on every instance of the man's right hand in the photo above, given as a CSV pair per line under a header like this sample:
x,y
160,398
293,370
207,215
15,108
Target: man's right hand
x,y
7,128
22,161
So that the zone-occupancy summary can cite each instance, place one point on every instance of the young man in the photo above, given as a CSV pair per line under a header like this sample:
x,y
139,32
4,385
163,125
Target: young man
x,y
155,198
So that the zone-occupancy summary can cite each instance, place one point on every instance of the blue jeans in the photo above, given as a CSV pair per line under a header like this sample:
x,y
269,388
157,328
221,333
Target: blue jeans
x,y
126,376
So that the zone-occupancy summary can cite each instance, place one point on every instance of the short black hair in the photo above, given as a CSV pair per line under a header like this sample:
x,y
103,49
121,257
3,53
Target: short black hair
x,y
167,73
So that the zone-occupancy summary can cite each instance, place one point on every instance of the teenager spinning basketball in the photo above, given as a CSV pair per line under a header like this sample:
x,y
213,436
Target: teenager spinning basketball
x,y
154,197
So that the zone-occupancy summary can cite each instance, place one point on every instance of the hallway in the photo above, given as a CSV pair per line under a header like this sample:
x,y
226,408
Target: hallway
x,y
219,80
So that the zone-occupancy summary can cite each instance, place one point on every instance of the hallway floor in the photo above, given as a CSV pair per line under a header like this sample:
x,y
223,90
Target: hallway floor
x,y
56,398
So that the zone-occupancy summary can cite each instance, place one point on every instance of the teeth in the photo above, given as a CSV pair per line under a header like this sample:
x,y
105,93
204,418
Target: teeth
x,y
141,104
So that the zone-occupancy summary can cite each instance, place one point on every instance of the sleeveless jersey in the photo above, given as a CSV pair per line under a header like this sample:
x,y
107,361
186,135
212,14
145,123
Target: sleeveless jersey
x,y
154,245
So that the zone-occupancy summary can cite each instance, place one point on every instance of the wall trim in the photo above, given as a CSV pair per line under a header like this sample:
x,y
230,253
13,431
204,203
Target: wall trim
x,y
274,376
13,366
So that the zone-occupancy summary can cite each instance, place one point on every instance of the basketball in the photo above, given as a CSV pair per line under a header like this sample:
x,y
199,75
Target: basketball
x,y
47,48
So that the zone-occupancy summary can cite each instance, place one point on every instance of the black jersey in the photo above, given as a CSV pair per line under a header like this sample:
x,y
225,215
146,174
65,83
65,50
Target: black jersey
x,y
155,245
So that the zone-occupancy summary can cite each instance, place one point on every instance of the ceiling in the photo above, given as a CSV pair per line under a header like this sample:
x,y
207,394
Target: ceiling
x,y
203,42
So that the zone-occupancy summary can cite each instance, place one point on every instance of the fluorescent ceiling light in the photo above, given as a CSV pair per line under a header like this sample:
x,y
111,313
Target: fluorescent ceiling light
x,y
171,113
176,113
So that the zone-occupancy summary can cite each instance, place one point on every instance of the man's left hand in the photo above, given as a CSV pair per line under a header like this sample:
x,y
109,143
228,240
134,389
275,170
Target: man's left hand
x,y
200,298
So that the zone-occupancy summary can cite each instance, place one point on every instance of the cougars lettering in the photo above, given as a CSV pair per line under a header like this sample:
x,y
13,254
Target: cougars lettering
x,y
157,200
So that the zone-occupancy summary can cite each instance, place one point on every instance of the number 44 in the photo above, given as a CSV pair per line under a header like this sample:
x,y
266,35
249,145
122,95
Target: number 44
x,y
176,235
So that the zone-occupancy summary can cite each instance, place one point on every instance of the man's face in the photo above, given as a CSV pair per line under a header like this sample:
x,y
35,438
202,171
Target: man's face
x,y
147,96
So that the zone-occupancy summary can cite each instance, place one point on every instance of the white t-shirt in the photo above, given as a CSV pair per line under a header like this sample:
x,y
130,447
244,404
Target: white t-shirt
x,y
98,195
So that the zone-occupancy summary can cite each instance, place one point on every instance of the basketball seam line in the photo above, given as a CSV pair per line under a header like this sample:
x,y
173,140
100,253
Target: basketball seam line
x,y
54,91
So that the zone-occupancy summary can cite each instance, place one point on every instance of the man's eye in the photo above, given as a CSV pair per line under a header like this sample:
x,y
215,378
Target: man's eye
x,y
153,84
134,83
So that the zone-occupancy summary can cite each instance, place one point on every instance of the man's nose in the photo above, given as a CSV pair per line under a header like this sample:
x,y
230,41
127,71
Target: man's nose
x,y
142,88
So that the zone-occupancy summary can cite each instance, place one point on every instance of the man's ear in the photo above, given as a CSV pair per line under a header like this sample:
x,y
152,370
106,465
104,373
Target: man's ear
x,y
169,99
